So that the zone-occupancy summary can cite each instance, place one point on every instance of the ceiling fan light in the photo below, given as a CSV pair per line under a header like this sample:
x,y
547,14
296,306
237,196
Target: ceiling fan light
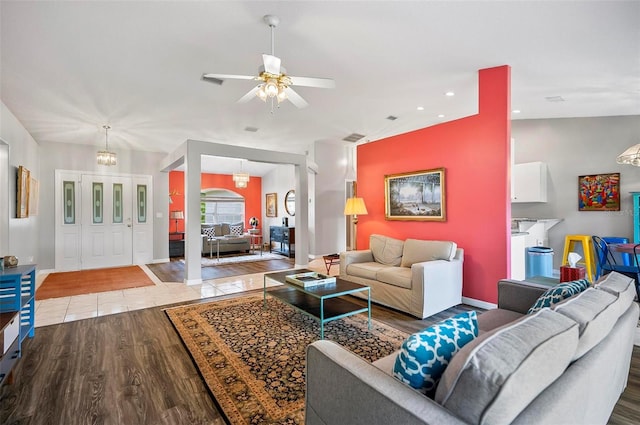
x,y
271,88
261,93
282,95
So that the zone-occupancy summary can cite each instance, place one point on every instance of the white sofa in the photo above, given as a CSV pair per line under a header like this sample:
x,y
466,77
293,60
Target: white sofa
x,y
419,277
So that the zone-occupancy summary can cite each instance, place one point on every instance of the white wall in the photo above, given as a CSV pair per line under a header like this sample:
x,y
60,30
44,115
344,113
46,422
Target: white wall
x,y
20,236
330,197
66,156
279,181
573,147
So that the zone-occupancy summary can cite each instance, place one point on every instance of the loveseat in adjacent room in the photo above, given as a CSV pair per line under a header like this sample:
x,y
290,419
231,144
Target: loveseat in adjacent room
x,y
231,238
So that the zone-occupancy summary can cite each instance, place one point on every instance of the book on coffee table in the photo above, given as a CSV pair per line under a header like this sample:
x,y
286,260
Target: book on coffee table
x,y
310,279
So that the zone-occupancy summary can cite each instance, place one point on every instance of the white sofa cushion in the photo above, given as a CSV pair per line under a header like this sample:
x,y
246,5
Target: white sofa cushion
x,y
417,251
396,276
483,382
365,270
386,250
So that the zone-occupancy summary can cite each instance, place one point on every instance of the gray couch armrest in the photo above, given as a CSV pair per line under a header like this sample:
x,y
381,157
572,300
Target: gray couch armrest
x,y
342,388
517,295
348,257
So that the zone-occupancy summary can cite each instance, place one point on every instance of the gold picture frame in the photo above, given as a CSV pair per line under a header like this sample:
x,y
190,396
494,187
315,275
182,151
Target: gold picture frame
x,y
271,204
415,196
22,197
34,192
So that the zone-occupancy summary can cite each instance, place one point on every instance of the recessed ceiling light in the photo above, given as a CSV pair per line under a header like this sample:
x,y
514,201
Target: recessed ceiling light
x,y
516,111
441,116
449,93
420,108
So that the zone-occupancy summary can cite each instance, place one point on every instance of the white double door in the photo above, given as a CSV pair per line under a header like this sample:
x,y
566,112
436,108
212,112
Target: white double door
x,y
103,221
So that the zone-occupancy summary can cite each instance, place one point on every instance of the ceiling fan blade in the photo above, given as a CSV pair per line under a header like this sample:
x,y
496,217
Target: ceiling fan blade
x,y
222,77
250,95
323,83
271,64
295,98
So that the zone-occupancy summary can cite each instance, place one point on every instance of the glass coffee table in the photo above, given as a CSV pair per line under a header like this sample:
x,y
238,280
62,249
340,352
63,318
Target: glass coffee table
x,y
322,302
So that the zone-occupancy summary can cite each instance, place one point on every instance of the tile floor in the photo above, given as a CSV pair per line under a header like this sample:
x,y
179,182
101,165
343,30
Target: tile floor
x,y
67,309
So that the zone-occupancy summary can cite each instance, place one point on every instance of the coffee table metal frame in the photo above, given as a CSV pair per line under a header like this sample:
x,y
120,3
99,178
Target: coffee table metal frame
x,y
321,302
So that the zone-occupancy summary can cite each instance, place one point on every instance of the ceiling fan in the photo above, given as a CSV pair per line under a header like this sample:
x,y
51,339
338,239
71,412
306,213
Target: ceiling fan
x,y
274,83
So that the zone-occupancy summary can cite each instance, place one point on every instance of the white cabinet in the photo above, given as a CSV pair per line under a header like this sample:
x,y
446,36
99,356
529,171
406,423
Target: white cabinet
x,y
529,182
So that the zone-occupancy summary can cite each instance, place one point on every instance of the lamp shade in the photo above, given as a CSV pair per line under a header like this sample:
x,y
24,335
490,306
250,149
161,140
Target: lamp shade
x,y
630,156
176,215
355,206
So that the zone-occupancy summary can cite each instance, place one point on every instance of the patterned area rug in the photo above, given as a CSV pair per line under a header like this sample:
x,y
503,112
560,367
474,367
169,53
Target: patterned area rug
x,y
253,358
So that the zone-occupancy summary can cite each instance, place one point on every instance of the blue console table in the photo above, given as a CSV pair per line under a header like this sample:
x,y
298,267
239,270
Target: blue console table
x,y
17,313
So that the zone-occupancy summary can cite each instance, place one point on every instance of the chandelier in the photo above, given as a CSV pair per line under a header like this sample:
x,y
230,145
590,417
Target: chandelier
x,y
630,156
241,179
106,157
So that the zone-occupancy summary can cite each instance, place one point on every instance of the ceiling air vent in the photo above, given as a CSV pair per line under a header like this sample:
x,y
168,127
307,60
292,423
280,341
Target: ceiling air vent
x,y
392,118
353,137
251,129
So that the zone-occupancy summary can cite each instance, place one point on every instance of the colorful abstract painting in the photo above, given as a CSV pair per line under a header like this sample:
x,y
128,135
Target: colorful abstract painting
x,y
599,192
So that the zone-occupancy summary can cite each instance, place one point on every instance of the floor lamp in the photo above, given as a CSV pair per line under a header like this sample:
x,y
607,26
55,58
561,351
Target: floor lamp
x,y
355,207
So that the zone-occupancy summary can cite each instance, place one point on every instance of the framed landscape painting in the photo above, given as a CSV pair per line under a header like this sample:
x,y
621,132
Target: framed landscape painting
x,y
599,192
418,195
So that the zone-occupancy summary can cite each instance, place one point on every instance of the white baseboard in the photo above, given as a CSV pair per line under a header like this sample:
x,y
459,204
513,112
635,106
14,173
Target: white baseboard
x,y
190,282
480,304
46,271
160,260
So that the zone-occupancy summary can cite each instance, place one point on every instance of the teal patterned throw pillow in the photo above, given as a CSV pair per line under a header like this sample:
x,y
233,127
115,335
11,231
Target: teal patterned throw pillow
x,y
424,355
558,293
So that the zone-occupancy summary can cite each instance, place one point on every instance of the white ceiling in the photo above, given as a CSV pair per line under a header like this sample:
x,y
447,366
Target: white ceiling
x,y
67,68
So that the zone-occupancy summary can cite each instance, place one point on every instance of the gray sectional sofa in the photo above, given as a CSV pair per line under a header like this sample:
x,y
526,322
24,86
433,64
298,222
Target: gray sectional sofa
x,y
567,364
419,277
235,241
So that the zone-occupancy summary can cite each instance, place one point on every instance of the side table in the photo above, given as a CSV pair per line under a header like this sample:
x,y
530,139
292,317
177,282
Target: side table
x,y
255,239
330,260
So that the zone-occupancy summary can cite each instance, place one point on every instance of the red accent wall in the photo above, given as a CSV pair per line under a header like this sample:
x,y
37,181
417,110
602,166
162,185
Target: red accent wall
x,y
252,194
475,152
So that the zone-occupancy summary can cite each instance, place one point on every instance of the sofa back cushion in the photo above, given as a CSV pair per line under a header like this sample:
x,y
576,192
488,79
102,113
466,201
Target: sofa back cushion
x,y
619,285
483,383
386,250
417,251
595,312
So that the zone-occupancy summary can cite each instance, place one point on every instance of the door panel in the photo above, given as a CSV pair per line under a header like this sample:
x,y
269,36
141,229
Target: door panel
x,y
106,221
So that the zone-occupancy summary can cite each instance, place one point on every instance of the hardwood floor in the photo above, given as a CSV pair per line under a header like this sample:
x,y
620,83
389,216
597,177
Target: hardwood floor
x,y
131,368
173,271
